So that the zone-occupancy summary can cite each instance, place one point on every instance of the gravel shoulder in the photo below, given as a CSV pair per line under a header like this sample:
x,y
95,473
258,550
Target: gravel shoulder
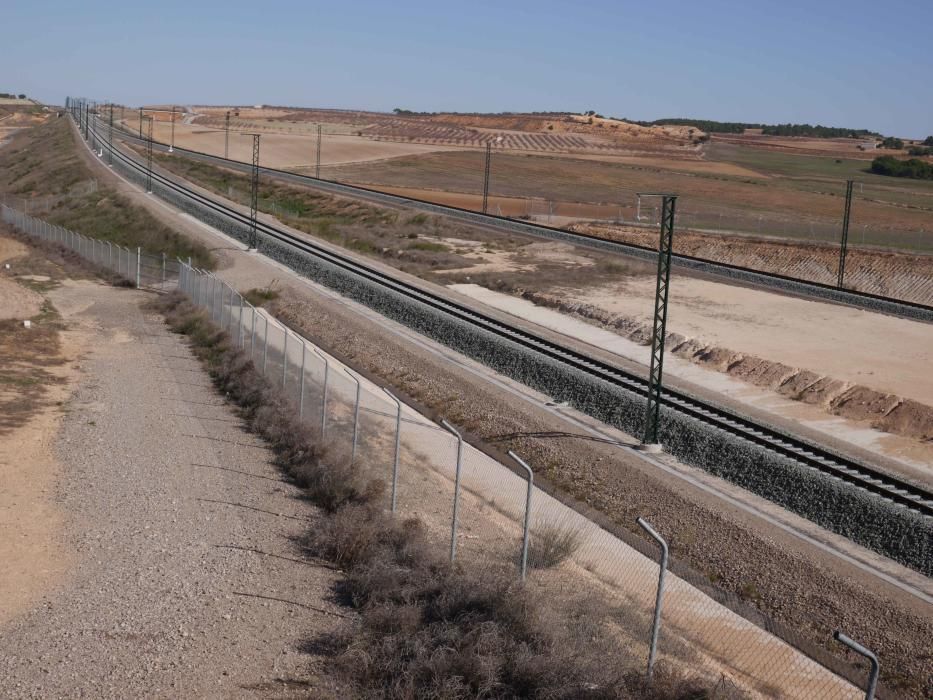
x,y
184,576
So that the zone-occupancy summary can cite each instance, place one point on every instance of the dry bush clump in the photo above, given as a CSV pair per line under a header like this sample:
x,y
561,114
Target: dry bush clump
x,y
426,628
550,545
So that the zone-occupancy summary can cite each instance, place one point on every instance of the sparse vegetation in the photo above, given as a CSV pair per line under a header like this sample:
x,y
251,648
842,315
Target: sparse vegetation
x,y
261,297
42,166
426,628
551,545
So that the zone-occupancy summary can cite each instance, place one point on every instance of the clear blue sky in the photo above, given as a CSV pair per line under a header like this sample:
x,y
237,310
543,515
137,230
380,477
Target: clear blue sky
x,y
854,64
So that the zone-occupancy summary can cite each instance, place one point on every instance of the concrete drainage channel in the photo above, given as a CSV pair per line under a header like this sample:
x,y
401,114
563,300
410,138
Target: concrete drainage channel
x,y
865,518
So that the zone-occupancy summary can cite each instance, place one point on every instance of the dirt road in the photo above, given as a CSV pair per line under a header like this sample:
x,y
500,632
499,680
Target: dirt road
x,y
176,570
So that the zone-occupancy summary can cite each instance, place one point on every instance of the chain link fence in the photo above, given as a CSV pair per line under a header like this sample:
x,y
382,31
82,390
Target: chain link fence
x,y
490,512
143,270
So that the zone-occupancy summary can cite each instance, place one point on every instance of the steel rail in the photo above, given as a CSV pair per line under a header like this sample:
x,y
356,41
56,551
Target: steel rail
x,y
871,479
770,280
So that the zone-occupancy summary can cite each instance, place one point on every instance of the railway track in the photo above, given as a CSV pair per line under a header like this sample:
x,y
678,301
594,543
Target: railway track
x,y
838,466
767,280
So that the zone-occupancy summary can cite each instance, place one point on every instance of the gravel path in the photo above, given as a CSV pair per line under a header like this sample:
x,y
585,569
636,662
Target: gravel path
x,y
187,581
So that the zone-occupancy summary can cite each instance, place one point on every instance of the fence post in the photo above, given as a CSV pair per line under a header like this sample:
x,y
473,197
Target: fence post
x,y
873,660
301,383
138,251
110,255
453,521
356,416
398,443
163,270
239,324
324,392
265,347
655,625
284,358
531,484
252,332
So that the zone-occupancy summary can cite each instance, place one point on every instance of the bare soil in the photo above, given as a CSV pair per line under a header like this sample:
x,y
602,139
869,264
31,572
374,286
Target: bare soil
x,y
158,550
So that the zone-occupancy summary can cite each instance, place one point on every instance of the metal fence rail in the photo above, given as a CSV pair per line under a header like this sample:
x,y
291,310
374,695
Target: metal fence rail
x,y
494,515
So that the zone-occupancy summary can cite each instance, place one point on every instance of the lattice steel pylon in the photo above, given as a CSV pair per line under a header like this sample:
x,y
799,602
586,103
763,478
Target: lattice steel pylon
x,y
227,135
254,194
486,177
317,167
844,240
171,146
659,325
110,139
149,157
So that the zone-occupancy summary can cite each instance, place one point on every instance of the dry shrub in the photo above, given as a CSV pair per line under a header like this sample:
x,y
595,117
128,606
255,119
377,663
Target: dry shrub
x,y
551,545
427,628
325,471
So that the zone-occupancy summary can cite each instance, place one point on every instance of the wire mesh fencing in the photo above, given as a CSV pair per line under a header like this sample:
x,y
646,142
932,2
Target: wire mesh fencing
x,y
142,270
489,514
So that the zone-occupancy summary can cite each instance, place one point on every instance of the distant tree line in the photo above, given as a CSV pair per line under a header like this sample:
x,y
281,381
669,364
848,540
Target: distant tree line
x,y
11,96
913,168
928,141
716,127
919,151
818,131
892,143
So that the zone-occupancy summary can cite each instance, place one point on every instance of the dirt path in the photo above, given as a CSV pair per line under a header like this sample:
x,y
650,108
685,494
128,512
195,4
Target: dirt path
x,y
183,577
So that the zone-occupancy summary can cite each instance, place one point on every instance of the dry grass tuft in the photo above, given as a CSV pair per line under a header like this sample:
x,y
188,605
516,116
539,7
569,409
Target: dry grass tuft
x,y
551,545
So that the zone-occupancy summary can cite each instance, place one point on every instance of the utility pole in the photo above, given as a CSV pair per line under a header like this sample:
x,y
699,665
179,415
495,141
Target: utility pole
x,y
149,158
110,139
254,195
171,146
843,243
140,123
652,413
317,167
227,135
486,177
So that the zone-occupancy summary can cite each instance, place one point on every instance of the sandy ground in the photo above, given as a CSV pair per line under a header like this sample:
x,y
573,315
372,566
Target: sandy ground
x,y
16,301
284,151
882,352
164,550
35,559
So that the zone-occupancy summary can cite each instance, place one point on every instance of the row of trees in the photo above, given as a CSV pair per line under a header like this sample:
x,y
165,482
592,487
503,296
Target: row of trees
x,y
712,126
914,168
11,96
819,131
